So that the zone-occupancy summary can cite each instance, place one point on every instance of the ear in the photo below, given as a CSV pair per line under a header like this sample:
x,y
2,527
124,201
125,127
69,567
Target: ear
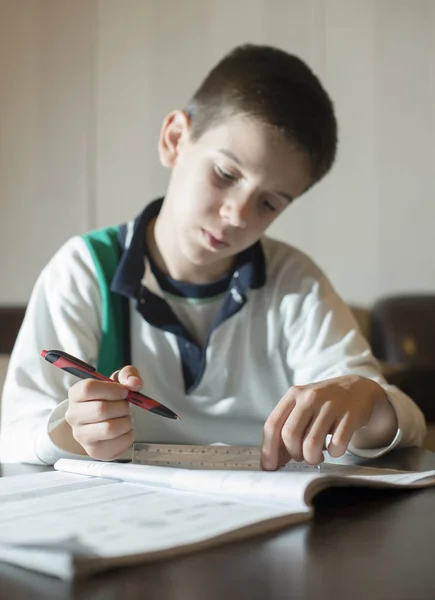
x,y
173,134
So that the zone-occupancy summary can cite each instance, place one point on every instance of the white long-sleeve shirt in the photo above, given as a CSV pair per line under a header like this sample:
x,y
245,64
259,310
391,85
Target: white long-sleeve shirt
x,y
282,324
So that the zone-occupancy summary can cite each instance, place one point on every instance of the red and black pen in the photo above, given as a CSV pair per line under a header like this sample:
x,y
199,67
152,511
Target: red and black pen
x,y
77,367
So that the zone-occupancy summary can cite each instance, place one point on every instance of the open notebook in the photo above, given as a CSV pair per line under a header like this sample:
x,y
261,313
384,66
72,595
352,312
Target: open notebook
x,y
87,516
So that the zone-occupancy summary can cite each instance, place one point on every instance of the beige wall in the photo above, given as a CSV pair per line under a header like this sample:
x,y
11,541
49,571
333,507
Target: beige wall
x,y
84,85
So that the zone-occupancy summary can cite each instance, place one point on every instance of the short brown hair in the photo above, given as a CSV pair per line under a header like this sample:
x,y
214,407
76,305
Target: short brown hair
x,y
276,87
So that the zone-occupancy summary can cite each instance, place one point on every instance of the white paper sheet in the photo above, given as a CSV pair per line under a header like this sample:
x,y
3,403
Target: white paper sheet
x,y
106,518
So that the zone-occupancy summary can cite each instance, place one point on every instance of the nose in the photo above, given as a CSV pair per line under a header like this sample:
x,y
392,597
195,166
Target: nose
x,y
235,212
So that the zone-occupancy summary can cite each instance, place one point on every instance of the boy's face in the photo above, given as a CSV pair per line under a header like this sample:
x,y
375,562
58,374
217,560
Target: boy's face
x,y
228,186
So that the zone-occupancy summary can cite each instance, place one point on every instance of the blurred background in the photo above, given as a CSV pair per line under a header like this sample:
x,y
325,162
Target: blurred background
x,y
85,84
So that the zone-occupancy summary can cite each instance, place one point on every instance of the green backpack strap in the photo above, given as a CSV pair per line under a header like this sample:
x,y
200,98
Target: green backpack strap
x,y
105,250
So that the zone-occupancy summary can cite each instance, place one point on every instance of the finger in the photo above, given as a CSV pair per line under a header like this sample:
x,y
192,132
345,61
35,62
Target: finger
x,y
93,389
342,435
111,449
294,429
315,436
283,457
93,433
114,375
84,413
130,377
272,431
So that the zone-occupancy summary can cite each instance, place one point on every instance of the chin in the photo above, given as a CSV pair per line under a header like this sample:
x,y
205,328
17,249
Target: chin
x,y
194,254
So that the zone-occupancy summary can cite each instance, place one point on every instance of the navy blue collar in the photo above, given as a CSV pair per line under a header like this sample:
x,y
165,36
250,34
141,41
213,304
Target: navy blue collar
x,y
249,270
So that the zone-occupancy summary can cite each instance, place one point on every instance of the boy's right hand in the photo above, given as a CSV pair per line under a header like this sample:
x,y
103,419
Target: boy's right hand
x,y
100,416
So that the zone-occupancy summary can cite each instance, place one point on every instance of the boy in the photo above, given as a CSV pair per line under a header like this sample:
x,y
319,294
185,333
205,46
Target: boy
x,y
239,334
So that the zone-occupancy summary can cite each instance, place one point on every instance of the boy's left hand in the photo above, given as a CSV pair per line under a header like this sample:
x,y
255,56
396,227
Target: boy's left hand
x,y
298,425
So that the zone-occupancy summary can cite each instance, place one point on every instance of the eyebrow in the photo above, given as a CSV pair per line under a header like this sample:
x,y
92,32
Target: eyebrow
x,y
285,196
231,155
237,160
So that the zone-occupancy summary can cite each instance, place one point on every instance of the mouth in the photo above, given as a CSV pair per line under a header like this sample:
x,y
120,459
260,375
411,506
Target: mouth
x,y
214,242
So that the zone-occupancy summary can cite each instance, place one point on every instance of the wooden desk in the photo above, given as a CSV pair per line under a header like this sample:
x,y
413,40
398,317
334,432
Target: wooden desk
x,y
362,545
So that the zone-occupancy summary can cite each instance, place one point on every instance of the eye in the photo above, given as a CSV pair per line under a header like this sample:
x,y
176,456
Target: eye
x,y
269,206
224,175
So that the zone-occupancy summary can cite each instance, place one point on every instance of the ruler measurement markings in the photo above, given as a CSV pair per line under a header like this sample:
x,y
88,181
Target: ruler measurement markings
x,y
203,457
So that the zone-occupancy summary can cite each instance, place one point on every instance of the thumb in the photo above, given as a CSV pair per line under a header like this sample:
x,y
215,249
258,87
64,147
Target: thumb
x,y
130,377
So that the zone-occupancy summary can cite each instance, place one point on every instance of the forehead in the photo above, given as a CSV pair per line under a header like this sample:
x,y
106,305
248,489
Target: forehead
x,y
259,149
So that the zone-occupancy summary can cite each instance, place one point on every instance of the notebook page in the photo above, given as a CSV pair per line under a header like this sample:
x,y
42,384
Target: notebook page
x,y
15,489
344,475
380,475
281,487
116,518
400,479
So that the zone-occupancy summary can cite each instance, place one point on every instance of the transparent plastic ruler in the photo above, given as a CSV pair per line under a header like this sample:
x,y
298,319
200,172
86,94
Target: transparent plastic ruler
x,y
205,457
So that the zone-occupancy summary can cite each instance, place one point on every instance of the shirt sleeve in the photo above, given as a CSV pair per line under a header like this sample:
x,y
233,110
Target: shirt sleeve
x,y
325,342
63,313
